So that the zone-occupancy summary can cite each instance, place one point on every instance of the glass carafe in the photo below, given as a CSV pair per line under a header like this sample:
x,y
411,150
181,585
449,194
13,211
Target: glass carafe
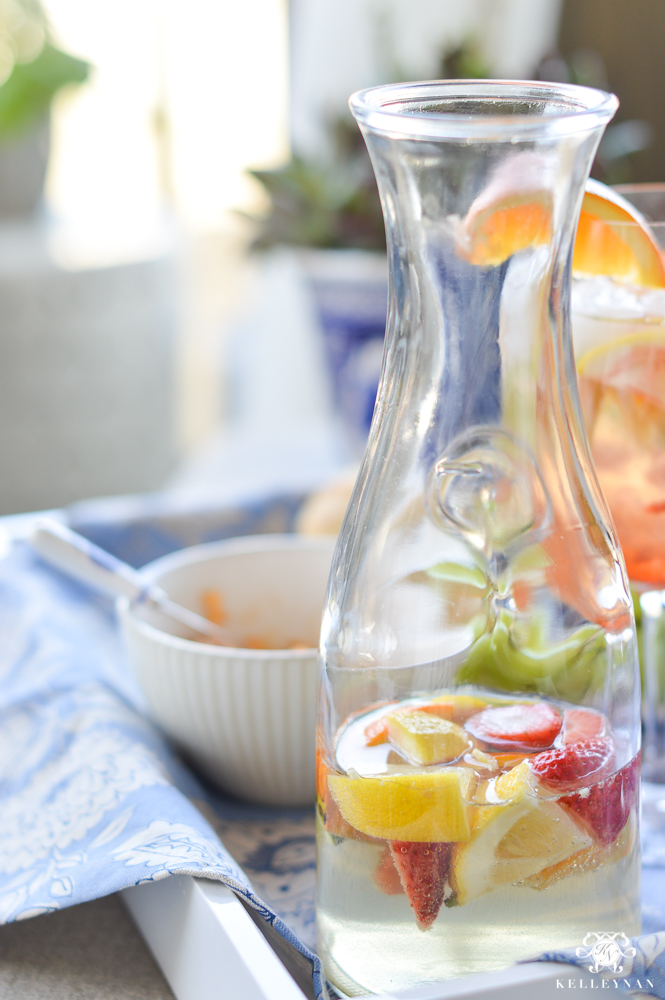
x,y
479,725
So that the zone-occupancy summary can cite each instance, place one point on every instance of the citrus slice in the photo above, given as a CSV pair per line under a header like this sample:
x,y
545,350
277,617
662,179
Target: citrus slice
x,y
588,859
613,238
419,806
514,841
622,359
513,212
454,707
426,738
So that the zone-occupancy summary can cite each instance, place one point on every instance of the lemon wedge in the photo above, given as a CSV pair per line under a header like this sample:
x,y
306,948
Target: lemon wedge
x,y
513,841
426,738
418,806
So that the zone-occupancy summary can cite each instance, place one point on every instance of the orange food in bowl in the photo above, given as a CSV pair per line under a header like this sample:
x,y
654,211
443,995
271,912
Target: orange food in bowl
x,y
214,609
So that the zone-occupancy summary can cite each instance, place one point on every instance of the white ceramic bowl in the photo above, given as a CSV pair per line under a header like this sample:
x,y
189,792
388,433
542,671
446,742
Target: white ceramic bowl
x,y
245,717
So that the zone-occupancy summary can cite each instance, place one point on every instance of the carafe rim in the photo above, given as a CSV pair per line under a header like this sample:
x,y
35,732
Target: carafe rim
x,y
405,109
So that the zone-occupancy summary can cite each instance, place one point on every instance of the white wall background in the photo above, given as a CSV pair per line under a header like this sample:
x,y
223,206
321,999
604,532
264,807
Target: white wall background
x,y
338,46
186,94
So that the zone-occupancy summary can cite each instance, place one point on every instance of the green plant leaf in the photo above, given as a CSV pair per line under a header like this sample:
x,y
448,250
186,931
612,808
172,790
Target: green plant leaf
x,y
26,95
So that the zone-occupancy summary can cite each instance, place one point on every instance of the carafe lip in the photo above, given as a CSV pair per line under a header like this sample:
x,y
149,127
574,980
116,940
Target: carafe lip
x,y
405,109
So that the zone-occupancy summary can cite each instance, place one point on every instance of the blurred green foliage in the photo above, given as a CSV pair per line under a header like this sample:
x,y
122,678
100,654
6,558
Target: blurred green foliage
x,y
333,202
33,68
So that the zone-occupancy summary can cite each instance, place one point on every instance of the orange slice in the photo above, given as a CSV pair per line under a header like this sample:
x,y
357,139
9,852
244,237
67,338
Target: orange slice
x,y
614,239
513,212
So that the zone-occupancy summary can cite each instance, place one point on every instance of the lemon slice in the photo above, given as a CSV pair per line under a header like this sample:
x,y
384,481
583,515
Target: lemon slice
x,y
588,859
426,738
418,806
596,357
514,841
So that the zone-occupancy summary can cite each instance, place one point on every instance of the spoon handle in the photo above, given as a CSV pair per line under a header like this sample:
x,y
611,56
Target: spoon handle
x,y
84,560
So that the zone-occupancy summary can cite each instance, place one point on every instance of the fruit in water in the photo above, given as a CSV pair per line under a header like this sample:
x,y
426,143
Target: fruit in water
x,y
512,842
501,659
605,805
386,875
531,725
513,212
622,387
461,706
454,707
586,860
613,238
604,808
423,871
506,231
565,767
426,738
582,724
419,806
377,731
332,819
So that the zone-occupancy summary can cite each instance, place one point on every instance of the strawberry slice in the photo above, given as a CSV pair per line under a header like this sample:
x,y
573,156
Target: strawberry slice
x,y
386,875
533,726
582,724
423,871
566,767
607,806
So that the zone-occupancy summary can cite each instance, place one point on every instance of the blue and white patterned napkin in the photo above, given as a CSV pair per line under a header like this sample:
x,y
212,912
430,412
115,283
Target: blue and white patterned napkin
x,y
92,799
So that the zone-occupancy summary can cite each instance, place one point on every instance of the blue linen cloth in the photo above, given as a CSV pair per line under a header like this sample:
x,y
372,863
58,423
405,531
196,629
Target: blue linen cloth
x,y
92,800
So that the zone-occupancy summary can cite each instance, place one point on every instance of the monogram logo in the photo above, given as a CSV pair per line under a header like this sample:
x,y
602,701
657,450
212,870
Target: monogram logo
x,y
607,949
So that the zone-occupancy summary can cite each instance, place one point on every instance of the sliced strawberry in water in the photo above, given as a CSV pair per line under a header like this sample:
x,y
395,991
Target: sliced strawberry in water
x,y
533,726
582,724
423,871
605,807
386,875
568,767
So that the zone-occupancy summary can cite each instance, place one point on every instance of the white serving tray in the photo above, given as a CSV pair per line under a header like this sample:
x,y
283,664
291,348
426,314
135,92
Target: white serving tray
x,y
210,948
